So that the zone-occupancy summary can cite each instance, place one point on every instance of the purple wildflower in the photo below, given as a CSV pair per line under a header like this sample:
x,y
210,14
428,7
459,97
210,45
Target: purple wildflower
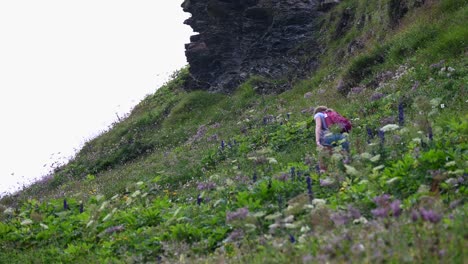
x,y
370,134
65,204
455,203
254,178
199,199
430,216
401,114
353,212
206,186
317,169
240,214
292,239
429,133
415,86
213,137
293,172
382,200
381,212
396,209
325,182
236,235
280,201
377,96
340,218
114,229
309,185
388,120
381,136
414,215
437,65
222,144
307,258
299,174
357,90
283,177
81,208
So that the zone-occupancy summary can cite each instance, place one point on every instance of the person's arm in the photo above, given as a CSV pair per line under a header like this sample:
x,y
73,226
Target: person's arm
x,y
318,130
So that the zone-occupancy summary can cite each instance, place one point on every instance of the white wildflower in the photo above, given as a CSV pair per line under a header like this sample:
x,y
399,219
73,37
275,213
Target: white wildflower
x,y
456,172
273,216
442,105
360,220
107,217
305,229
129,201
136,193
251,227
89,223
389,127
404,130
290,226
450,163
351,170
302,238
375,158
417,140
318,202
26,222
104,205
9,211
378,168
366,155
44,226
272,161
450,69
259,214
274,226
435,102
288,219
423,189
451,181
392,180
363,182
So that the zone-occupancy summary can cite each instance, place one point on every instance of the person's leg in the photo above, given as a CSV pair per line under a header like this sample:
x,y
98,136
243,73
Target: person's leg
x,y
324,154
335,140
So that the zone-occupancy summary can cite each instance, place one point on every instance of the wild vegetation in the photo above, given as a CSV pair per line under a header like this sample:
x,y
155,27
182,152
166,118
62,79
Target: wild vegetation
x,y
196,177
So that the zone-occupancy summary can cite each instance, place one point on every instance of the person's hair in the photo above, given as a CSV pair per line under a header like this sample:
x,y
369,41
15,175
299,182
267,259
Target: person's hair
x,y
320,109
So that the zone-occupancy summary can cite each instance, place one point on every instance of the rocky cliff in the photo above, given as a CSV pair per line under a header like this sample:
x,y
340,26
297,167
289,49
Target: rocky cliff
x,y
235,39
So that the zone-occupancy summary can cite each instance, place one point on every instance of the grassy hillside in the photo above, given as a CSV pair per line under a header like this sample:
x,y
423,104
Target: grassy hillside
x,y
195,177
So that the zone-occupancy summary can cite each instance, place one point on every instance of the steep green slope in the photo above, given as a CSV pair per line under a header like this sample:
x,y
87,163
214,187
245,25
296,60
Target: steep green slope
x,y
199,177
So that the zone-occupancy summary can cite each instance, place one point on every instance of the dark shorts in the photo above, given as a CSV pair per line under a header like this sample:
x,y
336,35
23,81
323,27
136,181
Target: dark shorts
x,y
334,140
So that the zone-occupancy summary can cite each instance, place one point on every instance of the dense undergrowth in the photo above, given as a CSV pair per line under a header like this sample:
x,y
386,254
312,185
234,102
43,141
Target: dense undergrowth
x,y
194,177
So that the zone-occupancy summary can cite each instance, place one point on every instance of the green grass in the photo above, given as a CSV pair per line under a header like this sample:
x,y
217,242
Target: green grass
x,y
173,180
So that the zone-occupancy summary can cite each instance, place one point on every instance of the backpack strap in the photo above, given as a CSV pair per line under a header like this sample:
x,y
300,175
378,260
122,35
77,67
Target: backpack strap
x,y
324,123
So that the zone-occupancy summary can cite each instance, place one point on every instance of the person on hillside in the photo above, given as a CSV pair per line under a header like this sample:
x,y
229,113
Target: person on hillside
x,y
326,138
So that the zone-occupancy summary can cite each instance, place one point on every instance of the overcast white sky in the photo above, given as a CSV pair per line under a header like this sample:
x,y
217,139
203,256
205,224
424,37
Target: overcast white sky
x,y
68,66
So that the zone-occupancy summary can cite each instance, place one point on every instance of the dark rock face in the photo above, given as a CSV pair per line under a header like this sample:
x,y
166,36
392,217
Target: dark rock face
x,y
274,39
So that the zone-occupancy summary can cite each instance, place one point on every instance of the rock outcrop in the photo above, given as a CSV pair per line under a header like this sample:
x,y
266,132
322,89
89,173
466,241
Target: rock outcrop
x,y
274,39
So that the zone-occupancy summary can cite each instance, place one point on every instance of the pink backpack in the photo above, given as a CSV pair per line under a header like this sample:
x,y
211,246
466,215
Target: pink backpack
x,y
335,118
